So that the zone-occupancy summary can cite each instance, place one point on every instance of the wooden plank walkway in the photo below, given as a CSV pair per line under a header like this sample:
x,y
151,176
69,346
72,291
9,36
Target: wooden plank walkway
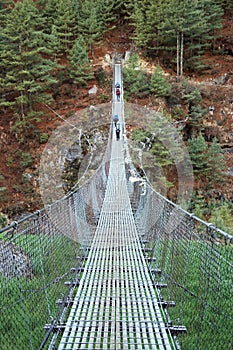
x,y
116,303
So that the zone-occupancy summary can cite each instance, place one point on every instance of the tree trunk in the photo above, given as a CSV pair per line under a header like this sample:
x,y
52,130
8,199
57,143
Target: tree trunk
x,y
177,56
181,54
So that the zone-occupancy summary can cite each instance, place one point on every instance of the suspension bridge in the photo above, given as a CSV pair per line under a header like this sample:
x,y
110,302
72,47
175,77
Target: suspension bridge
x,y
99,268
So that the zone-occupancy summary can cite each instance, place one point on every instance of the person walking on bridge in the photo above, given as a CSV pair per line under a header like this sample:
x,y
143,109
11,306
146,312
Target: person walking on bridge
x,y
115,119
118,130
118,93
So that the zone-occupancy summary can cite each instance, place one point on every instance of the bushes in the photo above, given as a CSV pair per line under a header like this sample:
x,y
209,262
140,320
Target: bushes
x,y
208,161
138,83
158,84
26,160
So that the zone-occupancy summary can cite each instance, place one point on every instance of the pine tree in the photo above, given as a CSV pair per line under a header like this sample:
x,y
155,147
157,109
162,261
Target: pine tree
x,y
181,23
196,112
65,24
216,164
227,5
138,16
106,12
135,79
158,84
221,217
146,18
26,71
90,24
213,16
207,161
49,14
5,8
186,27
199,206
80,69
198,148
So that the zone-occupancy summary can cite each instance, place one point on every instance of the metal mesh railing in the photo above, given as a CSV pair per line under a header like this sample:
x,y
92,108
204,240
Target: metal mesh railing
x,y
116,305
195,262
41,258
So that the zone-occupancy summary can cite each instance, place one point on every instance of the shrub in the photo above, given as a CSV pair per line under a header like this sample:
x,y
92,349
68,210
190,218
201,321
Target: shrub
x,y
26,160
44,137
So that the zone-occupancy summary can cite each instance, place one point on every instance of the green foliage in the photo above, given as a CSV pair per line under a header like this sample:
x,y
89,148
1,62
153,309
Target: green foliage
x,y
106,11
155,145
208,161
180,28
80,69
44,137
200,282
135,78
28,304
198,147
17,187
216,163
178,113
90,23
221,217
196,112
103,98
64,25
102,77
219,213
26,160
24,68
5,8
158,84
199,205
196,117
3,219
140,135
227,5
193,98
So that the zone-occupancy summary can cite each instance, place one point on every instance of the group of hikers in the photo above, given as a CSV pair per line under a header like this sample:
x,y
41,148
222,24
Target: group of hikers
x,y
116,118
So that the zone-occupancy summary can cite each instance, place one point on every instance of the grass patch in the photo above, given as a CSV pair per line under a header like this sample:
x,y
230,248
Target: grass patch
x,y
26,305
199,279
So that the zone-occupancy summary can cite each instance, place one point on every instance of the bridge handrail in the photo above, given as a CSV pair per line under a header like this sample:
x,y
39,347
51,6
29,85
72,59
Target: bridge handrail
x,y
211,226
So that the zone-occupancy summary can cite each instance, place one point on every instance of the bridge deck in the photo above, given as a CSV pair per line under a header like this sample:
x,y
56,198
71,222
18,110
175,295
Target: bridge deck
x,y
116,304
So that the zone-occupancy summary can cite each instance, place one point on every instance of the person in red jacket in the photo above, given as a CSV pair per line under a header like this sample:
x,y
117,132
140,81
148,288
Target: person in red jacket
x,y
118,92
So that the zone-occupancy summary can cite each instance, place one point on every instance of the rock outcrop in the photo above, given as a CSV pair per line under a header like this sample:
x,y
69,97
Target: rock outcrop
x,y
14,262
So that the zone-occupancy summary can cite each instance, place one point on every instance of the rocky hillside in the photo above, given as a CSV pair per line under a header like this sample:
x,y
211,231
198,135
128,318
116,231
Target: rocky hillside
x,y
19,168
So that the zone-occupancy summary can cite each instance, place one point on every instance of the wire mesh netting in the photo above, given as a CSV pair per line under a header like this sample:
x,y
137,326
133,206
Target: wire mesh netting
x,y
41,259
121,295
195,263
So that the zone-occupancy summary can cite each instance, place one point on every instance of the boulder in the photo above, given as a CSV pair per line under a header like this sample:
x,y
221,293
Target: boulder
x,y
93,90
14,262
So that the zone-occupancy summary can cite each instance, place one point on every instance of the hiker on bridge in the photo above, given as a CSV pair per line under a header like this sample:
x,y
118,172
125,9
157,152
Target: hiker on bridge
x,y
118,130
118,93
115,119
117,86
